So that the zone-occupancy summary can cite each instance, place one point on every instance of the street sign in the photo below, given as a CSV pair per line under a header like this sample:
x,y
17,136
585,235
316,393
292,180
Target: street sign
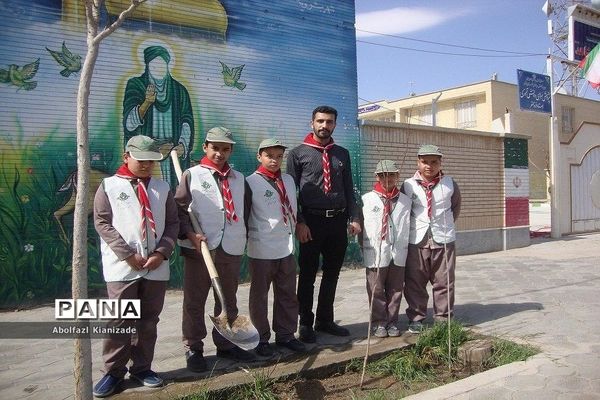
x,y
534,92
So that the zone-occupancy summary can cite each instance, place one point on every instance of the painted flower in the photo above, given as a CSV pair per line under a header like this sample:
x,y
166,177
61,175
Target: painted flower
x,y
96,157
30,170
28,248
24,198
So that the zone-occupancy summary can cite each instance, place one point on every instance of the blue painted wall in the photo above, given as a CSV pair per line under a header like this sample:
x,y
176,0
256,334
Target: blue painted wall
x,y
295,55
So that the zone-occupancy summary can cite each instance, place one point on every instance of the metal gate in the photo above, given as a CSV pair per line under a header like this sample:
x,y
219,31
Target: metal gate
x,y
585,193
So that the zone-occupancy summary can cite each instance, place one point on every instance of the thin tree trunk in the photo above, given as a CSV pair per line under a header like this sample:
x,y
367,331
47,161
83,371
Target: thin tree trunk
x,y
82,367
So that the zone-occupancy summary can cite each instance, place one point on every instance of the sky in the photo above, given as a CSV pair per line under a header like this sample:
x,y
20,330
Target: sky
x,y
387,72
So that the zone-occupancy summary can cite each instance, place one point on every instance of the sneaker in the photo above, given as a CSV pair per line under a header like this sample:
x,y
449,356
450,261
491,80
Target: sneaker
x,y
195,361
415,327
393,331
264,350
332,328
294,345
236,354
106,386
380,331
147,378
307,334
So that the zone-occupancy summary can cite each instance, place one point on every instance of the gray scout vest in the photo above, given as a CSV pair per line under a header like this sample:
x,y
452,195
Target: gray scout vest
x,y
442,221
395,246
207,205
127,220
268,237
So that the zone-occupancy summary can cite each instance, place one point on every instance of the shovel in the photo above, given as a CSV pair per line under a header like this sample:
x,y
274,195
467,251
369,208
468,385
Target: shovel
x,y
240,331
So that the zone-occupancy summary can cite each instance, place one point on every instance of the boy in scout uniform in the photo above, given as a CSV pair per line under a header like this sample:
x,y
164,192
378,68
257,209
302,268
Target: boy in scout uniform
x,y
431,251
270,249
216,194
386,225
136,218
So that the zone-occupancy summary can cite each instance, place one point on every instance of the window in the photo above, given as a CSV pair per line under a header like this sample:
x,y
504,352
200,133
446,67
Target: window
x,y
387,118
466,115
568,116
424,116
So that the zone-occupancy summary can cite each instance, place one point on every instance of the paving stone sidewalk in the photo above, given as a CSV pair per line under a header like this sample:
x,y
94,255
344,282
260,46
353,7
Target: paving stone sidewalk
x,y
547,294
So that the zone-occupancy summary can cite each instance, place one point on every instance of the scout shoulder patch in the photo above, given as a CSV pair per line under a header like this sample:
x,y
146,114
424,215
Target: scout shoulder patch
x,y
123,196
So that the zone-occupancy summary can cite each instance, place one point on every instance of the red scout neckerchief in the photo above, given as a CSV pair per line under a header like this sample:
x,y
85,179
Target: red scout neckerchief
x,y
310,141
428,187
286,207
387,197
225,190
142,193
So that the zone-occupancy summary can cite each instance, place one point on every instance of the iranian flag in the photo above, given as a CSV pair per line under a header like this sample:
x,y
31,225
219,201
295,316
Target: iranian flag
x,y
590,67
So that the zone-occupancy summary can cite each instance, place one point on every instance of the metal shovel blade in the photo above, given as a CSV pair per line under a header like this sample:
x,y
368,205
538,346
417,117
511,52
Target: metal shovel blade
x,y
240,332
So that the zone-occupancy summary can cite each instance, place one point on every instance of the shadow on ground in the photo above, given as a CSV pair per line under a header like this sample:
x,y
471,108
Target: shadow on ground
x,y
476,313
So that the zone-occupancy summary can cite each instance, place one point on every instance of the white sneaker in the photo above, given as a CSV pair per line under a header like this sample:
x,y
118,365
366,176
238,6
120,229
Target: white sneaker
x,y
380,332
393,331
415,327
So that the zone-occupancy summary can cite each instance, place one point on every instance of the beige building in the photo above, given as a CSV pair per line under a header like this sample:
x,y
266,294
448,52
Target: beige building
x,y
491,106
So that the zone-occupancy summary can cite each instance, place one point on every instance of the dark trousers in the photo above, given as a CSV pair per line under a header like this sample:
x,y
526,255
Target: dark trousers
x,y
329,240
118,349
428,265
384,286
282,274
196,287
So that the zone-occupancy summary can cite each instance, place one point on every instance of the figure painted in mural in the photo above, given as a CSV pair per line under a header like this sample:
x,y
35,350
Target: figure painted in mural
x,y
322,172
431,251
158,106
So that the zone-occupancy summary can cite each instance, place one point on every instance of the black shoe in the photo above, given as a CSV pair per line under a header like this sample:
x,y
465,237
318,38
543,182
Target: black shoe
x,y
332,328
195,361
307,334
294,345
264,350
236,354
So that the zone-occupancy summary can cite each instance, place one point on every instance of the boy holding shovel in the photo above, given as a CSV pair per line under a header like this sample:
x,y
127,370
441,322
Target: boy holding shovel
x,y
217,195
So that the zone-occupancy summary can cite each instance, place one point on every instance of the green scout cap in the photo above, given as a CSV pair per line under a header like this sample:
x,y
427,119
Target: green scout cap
x,y
384,166
219,134
143,148
429,150
271,142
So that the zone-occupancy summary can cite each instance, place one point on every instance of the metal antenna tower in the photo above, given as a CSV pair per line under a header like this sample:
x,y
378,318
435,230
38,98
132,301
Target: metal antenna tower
x,y
564,70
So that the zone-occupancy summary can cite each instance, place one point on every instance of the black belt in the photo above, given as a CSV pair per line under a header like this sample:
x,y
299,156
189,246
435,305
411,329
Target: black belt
x,y
324,213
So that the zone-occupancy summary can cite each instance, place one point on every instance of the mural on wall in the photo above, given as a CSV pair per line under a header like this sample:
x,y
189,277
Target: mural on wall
x,y
174,70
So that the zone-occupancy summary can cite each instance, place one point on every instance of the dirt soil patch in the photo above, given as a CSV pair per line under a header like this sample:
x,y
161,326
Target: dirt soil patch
x,y
345,385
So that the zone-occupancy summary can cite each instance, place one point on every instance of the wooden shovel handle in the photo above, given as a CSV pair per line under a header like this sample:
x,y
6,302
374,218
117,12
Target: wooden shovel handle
x,y
210,265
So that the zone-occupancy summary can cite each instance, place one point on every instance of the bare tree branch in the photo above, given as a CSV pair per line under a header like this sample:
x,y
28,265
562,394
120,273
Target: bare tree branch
x,y
112,27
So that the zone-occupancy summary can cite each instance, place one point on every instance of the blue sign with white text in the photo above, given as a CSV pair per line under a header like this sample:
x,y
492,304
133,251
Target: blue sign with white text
x,y
534,92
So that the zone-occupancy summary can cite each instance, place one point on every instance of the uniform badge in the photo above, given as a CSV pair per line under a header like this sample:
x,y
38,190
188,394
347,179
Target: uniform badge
x,y
268,193
123,196
375,209
205,185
